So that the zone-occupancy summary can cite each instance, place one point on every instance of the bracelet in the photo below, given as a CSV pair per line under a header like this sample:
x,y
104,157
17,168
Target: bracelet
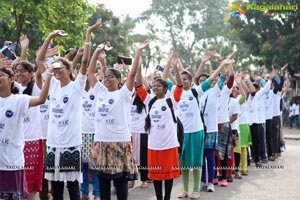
x,y
88,43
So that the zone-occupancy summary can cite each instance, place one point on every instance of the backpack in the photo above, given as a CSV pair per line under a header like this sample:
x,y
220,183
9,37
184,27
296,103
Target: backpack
x,y
195,94
180,130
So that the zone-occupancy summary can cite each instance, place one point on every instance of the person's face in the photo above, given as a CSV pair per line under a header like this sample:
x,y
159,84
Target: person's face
x,y
186,81
158,89
235,92
5,81
62,73
22,75
202,79
110,81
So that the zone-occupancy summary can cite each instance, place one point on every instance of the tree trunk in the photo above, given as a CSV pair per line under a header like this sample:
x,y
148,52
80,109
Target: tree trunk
x,y
19,23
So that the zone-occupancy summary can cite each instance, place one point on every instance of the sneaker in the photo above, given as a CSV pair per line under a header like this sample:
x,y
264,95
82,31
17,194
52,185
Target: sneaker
x,y
195,195
264,160
244,173
229,179
237,175
215,181
203,186
224,183
210,187
258,164
271,158
183,195
144,185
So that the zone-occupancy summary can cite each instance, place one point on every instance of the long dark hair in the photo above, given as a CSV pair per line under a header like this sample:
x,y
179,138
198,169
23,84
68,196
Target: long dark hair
x,y
139,104
30,68
10,74
117,74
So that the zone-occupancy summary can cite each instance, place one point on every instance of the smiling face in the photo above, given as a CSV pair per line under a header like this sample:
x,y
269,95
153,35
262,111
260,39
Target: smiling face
x,y
159,88
186,80
6,80
24,73
111,80
61,72
235,91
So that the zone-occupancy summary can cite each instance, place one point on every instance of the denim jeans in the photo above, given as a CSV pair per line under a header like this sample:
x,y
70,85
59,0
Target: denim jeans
x,y
86,181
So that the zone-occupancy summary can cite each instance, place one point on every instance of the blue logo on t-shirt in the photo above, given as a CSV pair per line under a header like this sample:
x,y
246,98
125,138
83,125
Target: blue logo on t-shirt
x,y
190,98
156,112
111,101
9,113
163,108
48,97
92,97
66,99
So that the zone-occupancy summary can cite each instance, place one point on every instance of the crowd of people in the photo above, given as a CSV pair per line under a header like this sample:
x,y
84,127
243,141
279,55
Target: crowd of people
x,y
61,126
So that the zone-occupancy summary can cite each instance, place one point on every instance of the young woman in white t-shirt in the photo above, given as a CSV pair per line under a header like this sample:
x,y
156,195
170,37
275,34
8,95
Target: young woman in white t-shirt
x,y
33,149
13,109
64,138
163,161
112,153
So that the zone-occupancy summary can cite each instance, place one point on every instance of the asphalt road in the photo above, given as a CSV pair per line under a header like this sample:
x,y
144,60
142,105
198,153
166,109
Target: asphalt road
x,y
277,180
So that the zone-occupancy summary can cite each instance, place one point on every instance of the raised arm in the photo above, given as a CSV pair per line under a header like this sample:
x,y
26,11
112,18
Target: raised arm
x,y
69,53
41,56
35,101
87,46
92,67
77,57
205,58
176,70
24,46
216,73
132,72
166,71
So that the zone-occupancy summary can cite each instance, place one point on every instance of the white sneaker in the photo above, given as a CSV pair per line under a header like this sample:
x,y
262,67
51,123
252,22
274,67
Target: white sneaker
x,y
203,186
210,187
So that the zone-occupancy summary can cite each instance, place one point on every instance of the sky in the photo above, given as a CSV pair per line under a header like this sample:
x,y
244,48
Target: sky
x,y
121,8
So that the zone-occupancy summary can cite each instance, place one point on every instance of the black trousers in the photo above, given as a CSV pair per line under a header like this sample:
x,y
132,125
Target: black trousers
x,y
276,134
269,138
255,142
144,157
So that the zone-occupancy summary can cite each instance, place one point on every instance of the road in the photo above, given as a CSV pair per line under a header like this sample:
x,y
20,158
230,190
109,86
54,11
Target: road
x,y
279,180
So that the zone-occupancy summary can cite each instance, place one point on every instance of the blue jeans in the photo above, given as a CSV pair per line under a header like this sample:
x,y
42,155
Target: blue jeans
x,y
86,180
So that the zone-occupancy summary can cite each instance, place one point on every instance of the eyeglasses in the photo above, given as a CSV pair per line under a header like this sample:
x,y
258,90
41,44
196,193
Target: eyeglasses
x,y
109,77
22,71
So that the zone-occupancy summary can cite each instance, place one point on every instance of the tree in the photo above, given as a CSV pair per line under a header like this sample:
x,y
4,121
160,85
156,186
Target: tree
x,y
36,18
272,36
189,27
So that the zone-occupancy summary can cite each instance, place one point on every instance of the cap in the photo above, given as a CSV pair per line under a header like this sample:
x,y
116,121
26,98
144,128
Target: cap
x,y
56,65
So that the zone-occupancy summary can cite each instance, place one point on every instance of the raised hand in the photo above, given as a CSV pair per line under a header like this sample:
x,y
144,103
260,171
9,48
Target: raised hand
x,y
24,42
206,57
96,25
143,45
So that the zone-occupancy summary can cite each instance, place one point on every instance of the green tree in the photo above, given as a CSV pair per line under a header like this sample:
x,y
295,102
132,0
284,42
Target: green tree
x,y
271,36
36,18
189,27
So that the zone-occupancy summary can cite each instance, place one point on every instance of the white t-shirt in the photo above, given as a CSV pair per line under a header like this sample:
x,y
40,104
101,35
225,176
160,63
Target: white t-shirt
x,y
12,112
64,129
44,117
262,109
211,97
88,112
234,108
244,111
223,105
112,114
276,104
163,131
189,112
296,109
31,123
269,98
137,120
254,104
